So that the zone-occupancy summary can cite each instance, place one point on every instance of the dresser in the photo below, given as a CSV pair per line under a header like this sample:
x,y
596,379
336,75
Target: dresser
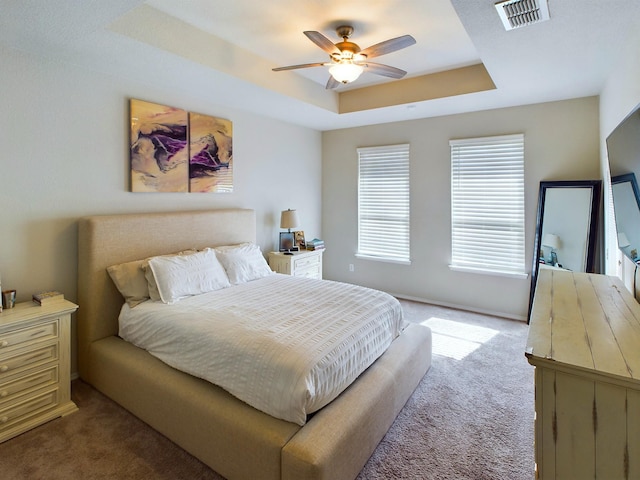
x,y
35,384
306,263
584,342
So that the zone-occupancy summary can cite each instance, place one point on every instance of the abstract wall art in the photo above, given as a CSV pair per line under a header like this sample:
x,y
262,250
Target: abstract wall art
x,y
159,148
210,154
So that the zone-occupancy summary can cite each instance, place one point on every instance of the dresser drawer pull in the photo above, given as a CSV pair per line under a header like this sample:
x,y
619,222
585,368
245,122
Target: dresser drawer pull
x,y
3,343
3,394
4,419
4,368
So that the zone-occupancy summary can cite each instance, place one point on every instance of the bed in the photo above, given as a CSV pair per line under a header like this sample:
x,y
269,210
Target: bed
x,y
233,438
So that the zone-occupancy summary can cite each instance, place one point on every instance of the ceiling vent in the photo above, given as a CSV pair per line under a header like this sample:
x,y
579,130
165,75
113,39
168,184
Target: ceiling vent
x,y
520,13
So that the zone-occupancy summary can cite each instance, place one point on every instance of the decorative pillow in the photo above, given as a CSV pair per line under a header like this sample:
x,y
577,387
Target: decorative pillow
x,y
150,279
243,262
181,276
130,281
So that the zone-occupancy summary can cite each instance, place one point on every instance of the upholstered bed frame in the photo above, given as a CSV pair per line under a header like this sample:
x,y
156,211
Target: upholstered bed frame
x,y
231,437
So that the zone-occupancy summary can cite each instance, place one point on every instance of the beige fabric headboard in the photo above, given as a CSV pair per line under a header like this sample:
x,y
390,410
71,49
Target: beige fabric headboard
x,y
106,240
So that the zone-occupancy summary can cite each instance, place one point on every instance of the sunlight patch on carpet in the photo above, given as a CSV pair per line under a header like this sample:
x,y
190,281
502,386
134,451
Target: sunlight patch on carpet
x,y
457,340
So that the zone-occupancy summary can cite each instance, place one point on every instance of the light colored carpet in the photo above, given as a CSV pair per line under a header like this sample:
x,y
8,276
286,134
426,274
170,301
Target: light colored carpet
x,y
471,417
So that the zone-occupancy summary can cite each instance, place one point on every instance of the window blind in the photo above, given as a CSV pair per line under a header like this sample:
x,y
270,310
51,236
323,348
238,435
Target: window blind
x,y
487,204
383,202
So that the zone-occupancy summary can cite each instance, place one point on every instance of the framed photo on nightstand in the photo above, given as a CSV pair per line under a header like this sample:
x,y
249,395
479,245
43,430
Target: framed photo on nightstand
x,y
299,240
286,241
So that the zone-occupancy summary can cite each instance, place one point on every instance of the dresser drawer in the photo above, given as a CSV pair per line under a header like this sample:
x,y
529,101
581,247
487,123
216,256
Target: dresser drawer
x,y
27,408
36,333
306,262
16,387
22,360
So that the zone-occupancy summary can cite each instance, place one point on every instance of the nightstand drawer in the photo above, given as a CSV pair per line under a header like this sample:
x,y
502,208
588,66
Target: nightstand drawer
x,y
305,262
309,272
28,407
15,338
23,360
17,387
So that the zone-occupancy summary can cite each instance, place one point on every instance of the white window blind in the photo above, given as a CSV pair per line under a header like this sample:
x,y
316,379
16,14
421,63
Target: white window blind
x,y
487,204
383,202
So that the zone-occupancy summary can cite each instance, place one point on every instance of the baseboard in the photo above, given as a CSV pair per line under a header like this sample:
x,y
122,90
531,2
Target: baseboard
x,y
465,308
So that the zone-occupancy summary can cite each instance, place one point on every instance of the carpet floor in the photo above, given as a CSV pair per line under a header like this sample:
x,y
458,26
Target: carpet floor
x,y
471,417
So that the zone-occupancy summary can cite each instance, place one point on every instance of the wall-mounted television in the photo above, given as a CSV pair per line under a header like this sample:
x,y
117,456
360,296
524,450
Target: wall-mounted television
x,y
623,151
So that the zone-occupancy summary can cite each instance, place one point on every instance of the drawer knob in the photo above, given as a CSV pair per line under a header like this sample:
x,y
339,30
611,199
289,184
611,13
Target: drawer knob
x,y
4,368
4,343
3,394
4,419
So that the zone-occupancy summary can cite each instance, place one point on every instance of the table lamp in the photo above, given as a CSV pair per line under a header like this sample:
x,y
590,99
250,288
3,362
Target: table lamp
x,y
289,220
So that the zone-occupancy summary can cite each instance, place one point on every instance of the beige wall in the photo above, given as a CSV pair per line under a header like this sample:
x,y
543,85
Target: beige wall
x,y
64,155
561,143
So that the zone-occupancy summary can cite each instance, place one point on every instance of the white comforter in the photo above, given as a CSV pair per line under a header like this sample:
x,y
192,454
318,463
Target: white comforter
x,y
285,345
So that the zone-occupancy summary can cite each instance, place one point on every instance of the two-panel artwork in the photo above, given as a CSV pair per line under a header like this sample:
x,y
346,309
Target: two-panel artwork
x,y
173,150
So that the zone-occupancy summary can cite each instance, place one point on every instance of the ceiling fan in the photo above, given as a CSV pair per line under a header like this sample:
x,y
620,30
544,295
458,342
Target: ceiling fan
x,y
348,61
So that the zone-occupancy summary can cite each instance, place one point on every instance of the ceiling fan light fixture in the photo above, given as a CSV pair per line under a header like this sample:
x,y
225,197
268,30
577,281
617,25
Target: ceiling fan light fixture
x,y
346,72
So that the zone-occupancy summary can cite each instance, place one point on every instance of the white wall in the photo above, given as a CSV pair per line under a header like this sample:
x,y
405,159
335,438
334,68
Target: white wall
x,y
561,143
64,154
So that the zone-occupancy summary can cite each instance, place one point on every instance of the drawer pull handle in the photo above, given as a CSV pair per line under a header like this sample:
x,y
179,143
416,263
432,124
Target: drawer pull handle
x,y
4,343
3,394
4,368
4,419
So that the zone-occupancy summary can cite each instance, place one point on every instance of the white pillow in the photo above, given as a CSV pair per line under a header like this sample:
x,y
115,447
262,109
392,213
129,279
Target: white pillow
x,y
184,275
243,262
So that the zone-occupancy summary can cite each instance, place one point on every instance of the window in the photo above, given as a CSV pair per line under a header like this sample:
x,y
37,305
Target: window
x,y
383,203
487,204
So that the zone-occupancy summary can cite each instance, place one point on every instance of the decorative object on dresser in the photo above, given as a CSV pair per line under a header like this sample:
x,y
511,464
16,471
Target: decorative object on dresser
x,y
288,219
300,264
8,298
35,384
583,342
46,298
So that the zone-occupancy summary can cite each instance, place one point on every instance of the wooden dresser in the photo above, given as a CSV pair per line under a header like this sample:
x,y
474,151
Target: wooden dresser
x,y
584,341
35,384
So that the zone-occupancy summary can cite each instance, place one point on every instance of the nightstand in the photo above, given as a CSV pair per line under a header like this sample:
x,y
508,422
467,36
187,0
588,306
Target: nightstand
x,y
307,263
35,363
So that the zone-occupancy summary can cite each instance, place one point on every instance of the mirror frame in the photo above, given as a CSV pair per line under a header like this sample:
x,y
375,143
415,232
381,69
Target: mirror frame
x,y
596,192
631,178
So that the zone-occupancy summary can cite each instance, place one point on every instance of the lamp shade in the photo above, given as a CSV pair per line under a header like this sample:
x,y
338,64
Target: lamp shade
x,y
289,219
623,241
551,240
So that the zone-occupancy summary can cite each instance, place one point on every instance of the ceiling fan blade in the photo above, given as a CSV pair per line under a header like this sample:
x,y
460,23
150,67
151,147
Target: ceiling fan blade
x,y
332,83
323,42
384,70
388,46
293,67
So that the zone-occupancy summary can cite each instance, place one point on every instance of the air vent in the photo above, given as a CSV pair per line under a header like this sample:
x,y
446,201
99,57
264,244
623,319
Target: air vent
x,y
520,13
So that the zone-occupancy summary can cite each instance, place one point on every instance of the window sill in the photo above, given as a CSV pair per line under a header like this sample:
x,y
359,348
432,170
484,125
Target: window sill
x,y
383,259
481,271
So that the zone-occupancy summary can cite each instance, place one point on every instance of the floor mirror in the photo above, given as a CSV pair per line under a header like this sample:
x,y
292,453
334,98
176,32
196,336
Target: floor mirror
x,y
566,228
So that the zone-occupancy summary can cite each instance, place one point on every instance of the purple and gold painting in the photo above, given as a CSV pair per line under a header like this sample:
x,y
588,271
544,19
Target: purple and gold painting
x,y
210,154
159,148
